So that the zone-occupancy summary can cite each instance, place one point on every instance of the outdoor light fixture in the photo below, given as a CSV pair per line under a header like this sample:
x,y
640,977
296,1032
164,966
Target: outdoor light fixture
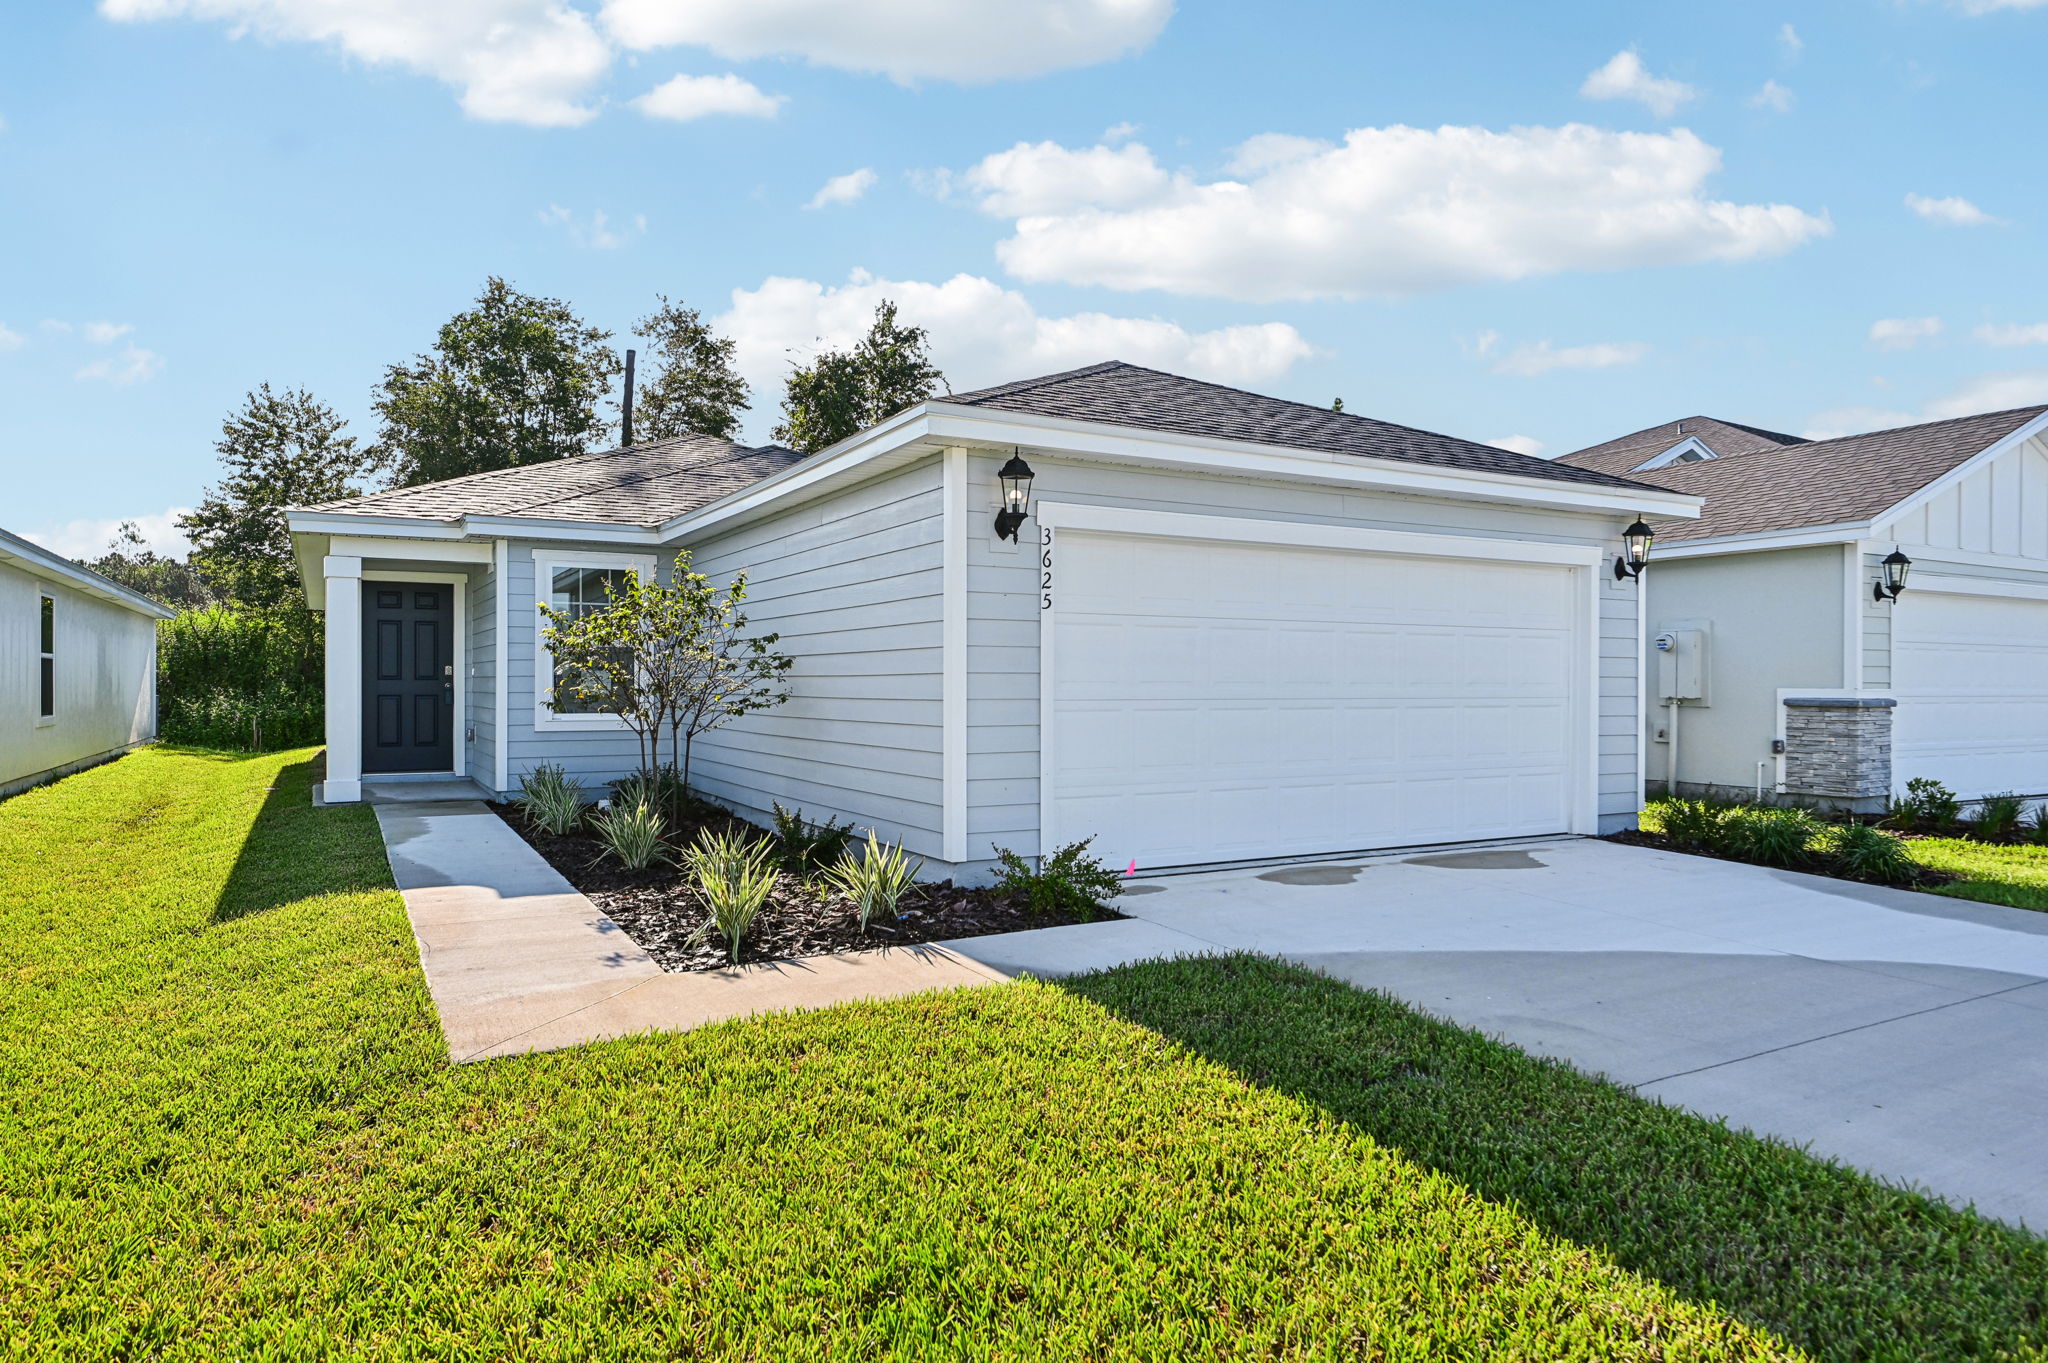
x,y
1015,477
1635,552
1896,565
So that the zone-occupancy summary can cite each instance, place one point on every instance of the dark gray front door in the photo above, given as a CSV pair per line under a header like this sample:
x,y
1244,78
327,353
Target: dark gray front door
x,y
408,676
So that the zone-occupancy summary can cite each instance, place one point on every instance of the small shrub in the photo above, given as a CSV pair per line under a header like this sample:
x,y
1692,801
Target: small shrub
x,y
631,833
875,881
803,848
1693,823
1927,804
2037,823
550,799
736,876
1997,817
1069,881
1769,837
1866,853
660,789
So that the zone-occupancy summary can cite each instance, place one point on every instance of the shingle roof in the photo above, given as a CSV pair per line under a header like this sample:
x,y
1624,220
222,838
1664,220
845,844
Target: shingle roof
x,y
641,485
1828,482
1621,455
1122,394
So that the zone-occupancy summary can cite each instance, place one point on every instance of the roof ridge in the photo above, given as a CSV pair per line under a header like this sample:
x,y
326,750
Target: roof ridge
x,y
734,451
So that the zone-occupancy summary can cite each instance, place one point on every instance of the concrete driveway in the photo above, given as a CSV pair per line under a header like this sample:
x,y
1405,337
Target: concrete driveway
x,y
1903,1033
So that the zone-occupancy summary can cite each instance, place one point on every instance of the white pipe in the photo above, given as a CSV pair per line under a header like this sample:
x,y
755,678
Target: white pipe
x,y
1671,756
1761,763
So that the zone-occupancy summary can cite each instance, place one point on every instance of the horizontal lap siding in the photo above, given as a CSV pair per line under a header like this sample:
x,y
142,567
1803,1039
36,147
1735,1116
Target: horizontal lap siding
x,y
853,586
594,757
483,675
105,669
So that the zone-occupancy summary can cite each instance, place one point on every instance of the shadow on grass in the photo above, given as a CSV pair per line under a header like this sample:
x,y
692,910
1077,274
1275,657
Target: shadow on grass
x,y
294,851
1835,1262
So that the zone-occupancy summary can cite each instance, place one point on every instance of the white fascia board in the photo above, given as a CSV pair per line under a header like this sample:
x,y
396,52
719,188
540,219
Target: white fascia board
x,y
309,550
1799,538
1115,520
467,528
1934,556
357,523
567,532
432,551
1928,492
1976,586
1671,456
37,561
907,428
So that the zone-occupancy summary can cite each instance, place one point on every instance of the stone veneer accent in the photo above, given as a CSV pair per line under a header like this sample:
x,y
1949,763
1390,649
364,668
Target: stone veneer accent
x,y
1839,746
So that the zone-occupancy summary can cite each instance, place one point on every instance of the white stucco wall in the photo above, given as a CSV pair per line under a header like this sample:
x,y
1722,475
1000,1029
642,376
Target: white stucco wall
x,y
105,675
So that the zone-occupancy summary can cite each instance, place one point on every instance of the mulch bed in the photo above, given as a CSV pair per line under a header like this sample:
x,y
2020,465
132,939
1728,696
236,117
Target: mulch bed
x,y
1924,877
659,909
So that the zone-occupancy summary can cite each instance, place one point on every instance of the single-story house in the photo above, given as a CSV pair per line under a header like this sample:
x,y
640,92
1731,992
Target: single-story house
x,y
77,666
1789,664
1229,627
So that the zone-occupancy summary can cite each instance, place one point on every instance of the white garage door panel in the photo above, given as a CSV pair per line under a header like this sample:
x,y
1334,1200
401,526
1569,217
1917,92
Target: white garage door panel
x,y
1971,675
1222,701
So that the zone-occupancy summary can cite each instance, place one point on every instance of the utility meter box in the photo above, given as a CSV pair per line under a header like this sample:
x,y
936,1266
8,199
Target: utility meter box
x,y
1681,653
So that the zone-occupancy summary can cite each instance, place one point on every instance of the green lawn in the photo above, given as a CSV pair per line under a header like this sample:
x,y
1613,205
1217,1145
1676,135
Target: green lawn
x,y
2015,876
228,1129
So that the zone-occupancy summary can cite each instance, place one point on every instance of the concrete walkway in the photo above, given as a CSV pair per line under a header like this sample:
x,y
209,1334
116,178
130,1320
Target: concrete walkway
x,y
517,960
1903,1033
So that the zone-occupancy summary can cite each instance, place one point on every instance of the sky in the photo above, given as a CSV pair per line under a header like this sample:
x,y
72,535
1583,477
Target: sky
x,y
1534,225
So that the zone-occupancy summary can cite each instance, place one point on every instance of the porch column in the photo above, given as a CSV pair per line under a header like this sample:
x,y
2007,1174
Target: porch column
x,y
344,679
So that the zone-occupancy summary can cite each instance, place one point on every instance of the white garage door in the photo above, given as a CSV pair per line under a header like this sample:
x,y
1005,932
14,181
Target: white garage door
x,y
1971,675
1219,701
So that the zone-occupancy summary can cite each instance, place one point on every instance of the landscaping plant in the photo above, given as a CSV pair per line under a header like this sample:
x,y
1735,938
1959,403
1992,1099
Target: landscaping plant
x,y
1927,806
1866,853
2037,823
1692,823
632,834
875,882
1997,817
803,848
735,875
659,788
1068,881
1768,836
551,799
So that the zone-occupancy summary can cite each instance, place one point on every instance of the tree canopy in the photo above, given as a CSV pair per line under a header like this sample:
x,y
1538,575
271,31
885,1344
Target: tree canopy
x,y
695,389
842,392
131,562
514,380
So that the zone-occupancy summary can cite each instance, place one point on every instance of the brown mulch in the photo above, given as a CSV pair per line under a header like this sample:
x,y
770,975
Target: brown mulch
x,y
659,909
1924,877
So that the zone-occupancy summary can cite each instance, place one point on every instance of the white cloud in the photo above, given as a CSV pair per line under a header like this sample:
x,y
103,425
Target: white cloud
x,y
983,333
1520,444
843,189
1991,392
1529,361
11,339
1903,333
2012,333
132,365
1484,342
1036,178
1772,96
1992,6
1625,77
1957,212
1388,211
1118,132
515,61
595,232
907,40
681,98
100,333
88,539
1789,39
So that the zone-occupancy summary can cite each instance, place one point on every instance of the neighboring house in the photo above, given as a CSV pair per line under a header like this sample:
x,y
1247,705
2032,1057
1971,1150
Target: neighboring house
x,y
1232,627
1793,674
77,666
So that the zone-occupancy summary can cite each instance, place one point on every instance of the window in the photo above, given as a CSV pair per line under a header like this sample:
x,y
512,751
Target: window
x,y
573,584
47,660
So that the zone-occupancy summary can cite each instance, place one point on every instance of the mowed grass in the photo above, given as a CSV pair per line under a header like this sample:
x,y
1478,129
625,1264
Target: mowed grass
x,y
2016,876
228,1129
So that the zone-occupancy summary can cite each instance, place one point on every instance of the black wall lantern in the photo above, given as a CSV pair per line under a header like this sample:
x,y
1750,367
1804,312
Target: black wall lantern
x,y
1015,477
1896,565
1635,551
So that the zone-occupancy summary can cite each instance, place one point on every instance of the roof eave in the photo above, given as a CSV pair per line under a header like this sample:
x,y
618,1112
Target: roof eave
x,y
31,558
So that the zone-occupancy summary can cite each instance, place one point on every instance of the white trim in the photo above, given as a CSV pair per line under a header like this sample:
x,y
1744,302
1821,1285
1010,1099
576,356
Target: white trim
x,y
430,551
1933,555
1691,444
1929,491
1182,525
49,594
1800,538
458,584
1584,808
342,576
38,562
501,663
1943,584
953,657
1642,789
1048,737
545,562
1852,624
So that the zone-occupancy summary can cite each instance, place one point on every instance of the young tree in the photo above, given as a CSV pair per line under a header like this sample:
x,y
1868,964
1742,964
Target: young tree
x,y
281,450
727,673
842,392
695,389
514,380
131,562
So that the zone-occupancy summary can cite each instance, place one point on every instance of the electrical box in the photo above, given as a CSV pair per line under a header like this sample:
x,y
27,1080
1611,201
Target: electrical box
x,y
1681,654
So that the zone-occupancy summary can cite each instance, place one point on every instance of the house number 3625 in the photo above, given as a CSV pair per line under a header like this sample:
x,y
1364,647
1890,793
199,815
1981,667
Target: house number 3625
x,y
1045,567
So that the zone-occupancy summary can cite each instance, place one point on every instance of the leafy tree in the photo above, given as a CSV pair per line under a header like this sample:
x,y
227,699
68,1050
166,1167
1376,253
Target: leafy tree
x,y
280,450
843,392
1337,406
131,562
515,380
695,391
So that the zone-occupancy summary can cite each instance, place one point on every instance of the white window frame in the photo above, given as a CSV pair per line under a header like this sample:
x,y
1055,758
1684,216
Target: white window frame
x,y
43,594
545,564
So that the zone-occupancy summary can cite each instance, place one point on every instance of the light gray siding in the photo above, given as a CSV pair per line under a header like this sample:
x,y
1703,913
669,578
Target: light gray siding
x,y
595,757
1877,628
105,674
482,720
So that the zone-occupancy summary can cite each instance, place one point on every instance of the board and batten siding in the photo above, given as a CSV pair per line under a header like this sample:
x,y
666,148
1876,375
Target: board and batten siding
x,y
105,680
1003,606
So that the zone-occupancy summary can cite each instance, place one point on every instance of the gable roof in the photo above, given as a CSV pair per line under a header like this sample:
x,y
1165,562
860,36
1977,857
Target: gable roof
x,y
1622,455
639,485
1850,480
1119,394
31,558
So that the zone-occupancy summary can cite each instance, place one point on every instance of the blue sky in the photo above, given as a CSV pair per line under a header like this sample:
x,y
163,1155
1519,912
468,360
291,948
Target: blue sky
x,y
1548,223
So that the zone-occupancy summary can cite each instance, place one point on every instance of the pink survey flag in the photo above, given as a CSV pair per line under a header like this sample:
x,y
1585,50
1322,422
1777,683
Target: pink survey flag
x,y
1132,869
